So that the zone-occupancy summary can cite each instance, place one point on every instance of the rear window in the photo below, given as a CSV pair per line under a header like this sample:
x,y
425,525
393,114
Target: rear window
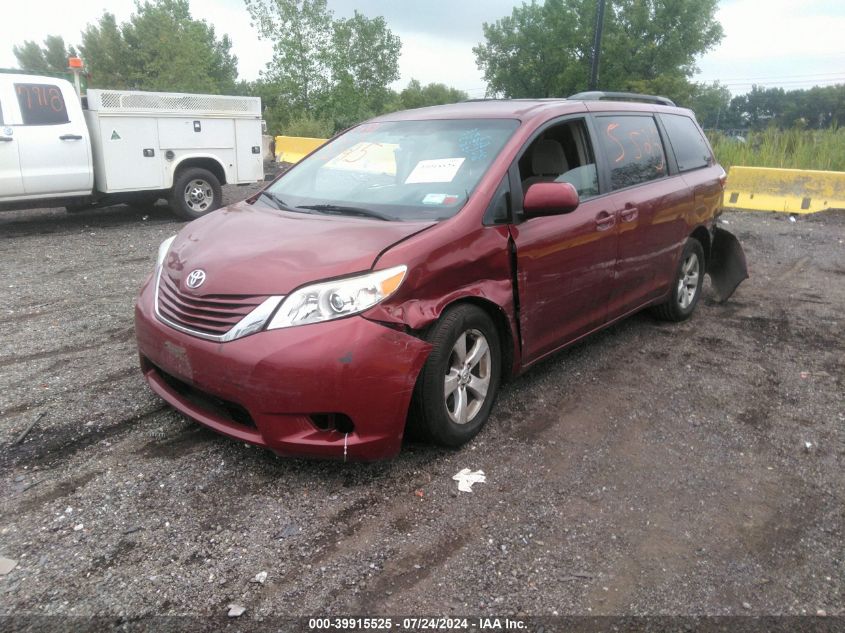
x,y
691,150
41,104
633,149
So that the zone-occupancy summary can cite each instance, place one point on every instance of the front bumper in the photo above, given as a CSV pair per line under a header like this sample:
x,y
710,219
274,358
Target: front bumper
x,y
274,388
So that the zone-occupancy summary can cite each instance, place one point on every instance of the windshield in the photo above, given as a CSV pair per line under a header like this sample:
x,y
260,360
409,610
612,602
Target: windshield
x,y
400,170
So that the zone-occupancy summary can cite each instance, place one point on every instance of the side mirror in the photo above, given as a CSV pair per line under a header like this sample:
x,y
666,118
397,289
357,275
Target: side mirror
x,y
549,198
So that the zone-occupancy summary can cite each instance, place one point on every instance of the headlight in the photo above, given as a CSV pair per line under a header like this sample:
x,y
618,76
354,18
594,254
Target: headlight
x,y
334,299
162,250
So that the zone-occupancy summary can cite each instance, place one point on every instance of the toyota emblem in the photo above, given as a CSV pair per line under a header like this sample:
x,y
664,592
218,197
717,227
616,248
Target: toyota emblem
x,y
196,278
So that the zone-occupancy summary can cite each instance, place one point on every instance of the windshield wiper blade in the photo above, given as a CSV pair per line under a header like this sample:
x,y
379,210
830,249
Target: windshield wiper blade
x,y
276,200
336,209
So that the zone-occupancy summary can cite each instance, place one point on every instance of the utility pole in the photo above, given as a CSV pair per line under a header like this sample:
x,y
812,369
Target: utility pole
x,y
594,67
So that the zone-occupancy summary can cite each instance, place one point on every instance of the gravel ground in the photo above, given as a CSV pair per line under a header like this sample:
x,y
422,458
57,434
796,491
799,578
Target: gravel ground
x,y
655,469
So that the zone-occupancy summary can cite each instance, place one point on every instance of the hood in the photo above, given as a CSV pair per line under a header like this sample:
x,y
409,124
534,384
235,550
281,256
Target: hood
x,y
255,250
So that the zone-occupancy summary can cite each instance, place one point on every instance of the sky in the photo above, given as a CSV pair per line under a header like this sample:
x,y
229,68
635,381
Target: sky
x,y
773,43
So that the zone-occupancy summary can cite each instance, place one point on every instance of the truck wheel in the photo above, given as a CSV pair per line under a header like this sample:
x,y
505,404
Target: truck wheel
x,y
195,192
686,287
458,383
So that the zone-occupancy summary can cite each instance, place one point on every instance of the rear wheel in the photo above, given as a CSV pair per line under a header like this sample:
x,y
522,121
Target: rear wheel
x,y
686,288
195,192
459,382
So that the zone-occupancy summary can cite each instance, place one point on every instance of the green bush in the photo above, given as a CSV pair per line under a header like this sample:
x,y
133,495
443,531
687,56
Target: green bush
x,y
304,125
790,149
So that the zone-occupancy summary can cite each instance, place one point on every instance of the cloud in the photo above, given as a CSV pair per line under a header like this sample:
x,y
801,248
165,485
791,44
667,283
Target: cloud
x,y
432,59
781,42
780,29
786,43
458,19
20,22
232,18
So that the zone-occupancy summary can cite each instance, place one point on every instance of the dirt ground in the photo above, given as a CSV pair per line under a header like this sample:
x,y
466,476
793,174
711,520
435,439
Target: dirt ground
x,y
654,469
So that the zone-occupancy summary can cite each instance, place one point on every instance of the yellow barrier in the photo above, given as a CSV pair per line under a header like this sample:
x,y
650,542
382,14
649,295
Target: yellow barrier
x,y
292,149
788,190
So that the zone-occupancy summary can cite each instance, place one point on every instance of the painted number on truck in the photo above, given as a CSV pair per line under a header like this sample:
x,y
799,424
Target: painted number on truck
x,y
41,104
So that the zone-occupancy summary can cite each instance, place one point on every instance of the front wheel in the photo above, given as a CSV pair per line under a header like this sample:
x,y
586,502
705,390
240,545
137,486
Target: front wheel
x,y
195,192
686,287
457,386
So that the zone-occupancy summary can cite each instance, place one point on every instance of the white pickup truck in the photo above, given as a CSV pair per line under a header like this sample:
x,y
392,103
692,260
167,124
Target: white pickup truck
x,y
121,146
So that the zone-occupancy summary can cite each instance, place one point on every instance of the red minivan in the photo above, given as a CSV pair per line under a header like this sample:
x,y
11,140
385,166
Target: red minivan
x,y
403,270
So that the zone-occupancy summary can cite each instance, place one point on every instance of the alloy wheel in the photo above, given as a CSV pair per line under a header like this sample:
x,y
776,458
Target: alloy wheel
x,y
468,376
688,281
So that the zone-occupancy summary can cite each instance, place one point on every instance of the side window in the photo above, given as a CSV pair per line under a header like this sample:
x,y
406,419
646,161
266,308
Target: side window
x,y
562,153
633,149
690,147
41,104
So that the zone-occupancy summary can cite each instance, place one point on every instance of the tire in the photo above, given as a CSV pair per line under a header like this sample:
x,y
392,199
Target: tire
x,y
686,284
195,193
452,418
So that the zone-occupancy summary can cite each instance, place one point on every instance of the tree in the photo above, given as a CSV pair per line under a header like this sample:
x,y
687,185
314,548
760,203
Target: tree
x,y
544,50
301,32
363,62
816,108
418,96
106,53
325,69
537,51
51,58
161,47
711,104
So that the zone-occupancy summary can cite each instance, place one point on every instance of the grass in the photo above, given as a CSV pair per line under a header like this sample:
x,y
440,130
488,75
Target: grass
x,y
792,149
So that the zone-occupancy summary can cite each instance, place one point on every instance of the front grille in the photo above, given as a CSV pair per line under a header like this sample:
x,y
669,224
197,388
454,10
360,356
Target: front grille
x,y
212,315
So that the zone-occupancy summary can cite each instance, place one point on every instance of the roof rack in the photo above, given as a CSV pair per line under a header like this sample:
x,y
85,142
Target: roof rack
x,y
599,95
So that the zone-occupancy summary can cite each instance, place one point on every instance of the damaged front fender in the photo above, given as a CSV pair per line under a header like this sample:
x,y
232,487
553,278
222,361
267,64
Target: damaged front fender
x,y
727,266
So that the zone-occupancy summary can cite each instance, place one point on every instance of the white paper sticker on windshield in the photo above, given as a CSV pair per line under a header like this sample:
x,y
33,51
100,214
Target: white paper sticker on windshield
x,y
440,198
437,170
434,198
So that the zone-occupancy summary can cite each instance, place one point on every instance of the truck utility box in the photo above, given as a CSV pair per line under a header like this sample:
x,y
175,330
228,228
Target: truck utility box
x,y
123,146
139,139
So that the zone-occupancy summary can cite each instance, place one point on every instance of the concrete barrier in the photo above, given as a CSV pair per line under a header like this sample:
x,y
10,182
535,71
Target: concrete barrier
x,y
292,149
787,190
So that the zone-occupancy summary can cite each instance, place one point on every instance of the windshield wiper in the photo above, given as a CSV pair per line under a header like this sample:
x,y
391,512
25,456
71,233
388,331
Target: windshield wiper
x,y
276,200
336,209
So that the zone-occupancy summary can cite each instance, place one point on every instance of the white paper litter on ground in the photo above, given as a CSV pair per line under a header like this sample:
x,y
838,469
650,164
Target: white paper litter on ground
x,y
466,478
7,565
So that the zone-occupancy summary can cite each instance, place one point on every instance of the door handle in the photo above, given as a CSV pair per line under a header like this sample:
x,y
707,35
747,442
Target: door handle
x,y
71,137
5,139
605,220
629,213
